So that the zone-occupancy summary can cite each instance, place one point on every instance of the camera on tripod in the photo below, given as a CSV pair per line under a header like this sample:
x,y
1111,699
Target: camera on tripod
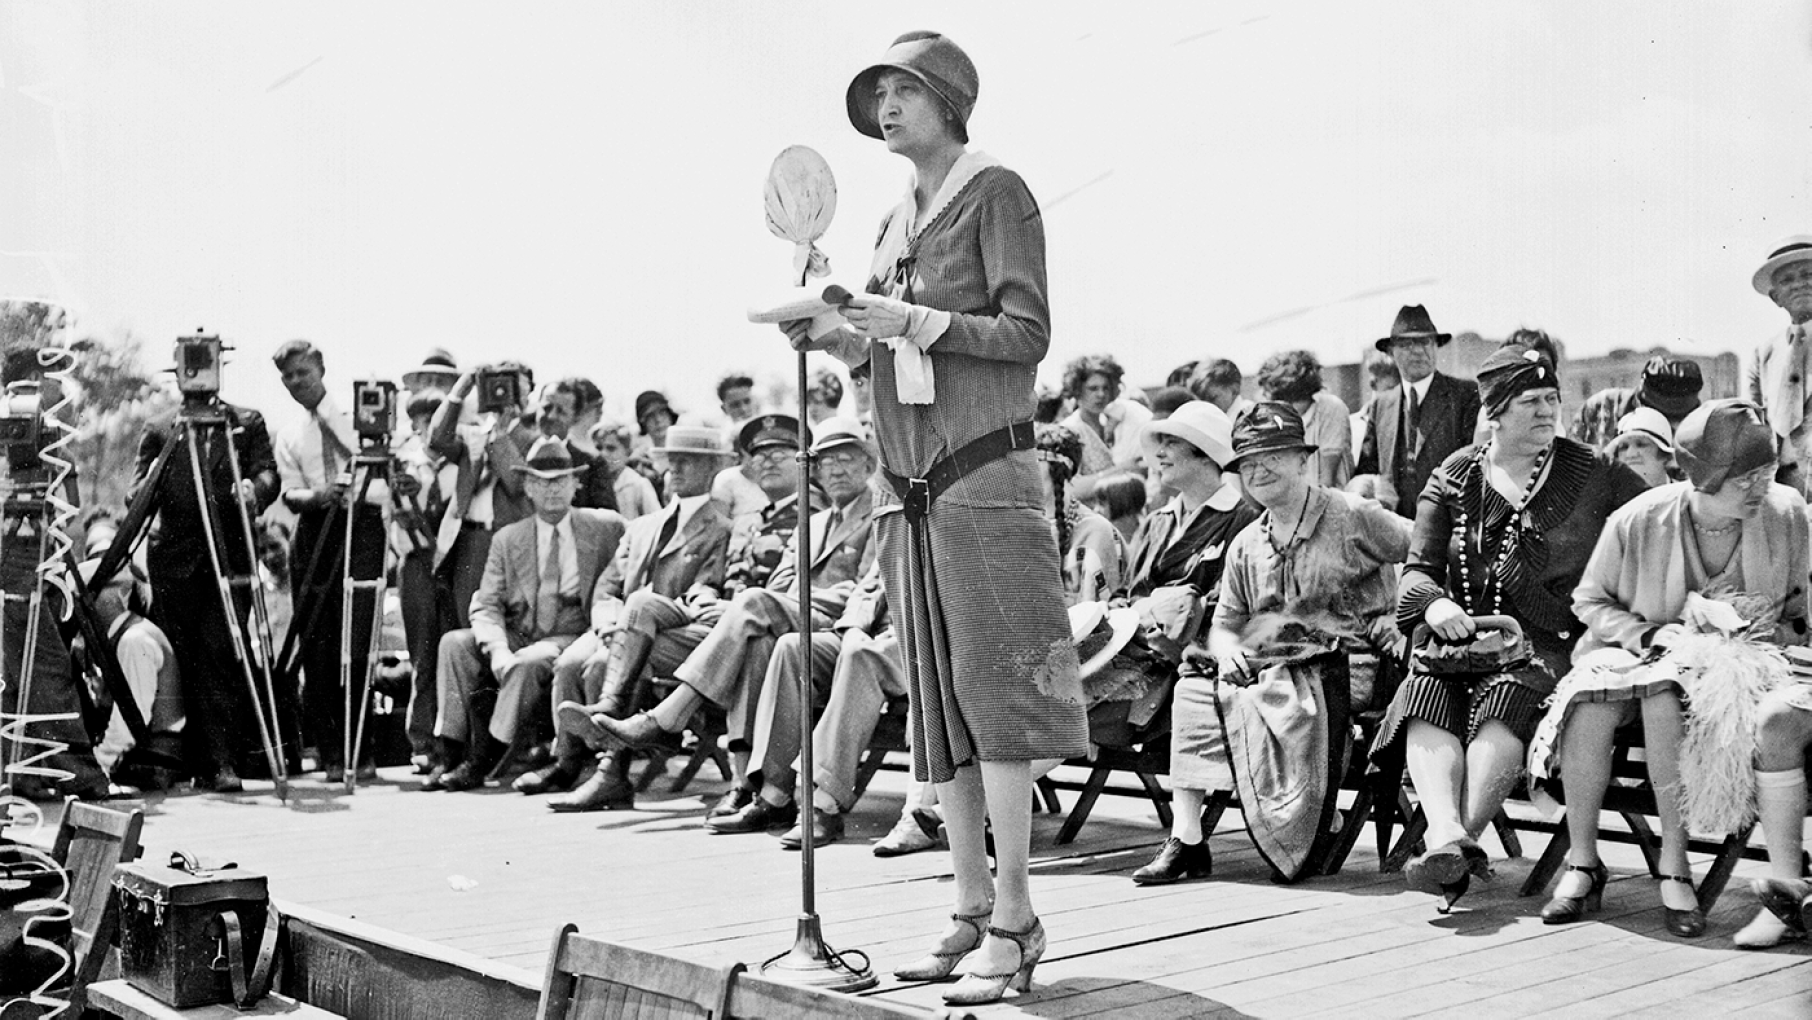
x,y
373,411
501,387
198,366
21,425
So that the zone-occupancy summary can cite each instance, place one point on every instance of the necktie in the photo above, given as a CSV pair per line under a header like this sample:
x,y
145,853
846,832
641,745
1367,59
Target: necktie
x,y
1409,416
547,593
332,449
669,527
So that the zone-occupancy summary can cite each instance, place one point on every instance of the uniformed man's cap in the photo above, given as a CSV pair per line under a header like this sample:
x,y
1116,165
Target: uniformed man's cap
x,y
766,430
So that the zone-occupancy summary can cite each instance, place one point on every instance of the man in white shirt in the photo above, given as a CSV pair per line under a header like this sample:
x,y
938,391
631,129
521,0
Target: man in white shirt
x,y
1776,378
149,664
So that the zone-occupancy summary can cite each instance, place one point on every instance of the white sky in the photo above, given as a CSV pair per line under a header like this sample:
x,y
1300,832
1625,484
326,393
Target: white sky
x,y
579,185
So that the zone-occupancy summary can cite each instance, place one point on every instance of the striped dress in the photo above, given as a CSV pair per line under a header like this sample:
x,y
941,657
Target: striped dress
x,y
977,591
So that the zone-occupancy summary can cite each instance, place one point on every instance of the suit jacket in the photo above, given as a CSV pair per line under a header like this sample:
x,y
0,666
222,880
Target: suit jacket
x,y
503,607
178,545
695,555
1444,423
840,556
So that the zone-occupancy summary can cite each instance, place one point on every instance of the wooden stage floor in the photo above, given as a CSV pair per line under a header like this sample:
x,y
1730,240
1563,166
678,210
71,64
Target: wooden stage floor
x,y
496,873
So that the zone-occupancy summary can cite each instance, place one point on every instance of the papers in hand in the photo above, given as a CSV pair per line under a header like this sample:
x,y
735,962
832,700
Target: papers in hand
x,y
820,304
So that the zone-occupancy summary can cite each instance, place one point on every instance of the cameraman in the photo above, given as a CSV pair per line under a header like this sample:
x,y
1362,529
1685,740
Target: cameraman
x,y
487,444
315,453
54,690
220,734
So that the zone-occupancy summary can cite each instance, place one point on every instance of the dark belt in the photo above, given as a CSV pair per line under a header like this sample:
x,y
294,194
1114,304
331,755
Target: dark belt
x,y
919,493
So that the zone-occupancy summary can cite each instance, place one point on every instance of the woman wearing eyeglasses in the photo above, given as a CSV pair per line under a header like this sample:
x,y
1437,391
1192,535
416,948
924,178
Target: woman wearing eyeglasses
x,y
1690,589
1503,529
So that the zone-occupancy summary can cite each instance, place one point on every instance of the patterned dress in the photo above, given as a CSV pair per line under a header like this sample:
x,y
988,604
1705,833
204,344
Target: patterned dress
x,y
977,589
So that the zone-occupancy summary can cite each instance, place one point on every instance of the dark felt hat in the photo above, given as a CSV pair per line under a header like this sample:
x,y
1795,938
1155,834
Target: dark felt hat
x,y
1412,323
1722,439
650,400
933,59
1265,427
1671,385
770,430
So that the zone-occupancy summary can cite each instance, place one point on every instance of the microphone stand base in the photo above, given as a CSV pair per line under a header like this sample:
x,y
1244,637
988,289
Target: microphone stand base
x,y
811,963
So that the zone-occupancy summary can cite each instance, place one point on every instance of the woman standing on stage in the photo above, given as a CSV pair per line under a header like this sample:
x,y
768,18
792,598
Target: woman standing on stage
x,y
955,322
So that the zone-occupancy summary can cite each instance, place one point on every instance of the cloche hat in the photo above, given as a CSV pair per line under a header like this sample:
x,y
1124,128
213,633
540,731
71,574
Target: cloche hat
x,y
933,59
1722,439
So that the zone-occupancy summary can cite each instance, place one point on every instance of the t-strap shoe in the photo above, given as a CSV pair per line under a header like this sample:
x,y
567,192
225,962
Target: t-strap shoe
x,y
1567,909
1688,924
941,962
977,989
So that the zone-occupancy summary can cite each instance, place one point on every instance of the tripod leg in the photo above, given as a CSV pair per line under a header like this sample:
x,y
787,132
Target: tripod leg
x,y
228,605
261,618
371,658
361,483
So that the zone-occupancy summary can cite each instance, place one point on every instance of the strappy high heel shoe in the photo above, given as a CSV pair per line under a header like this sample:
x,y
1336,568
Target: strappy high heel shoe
x,y
1567,909
941,962
1688,924
977,989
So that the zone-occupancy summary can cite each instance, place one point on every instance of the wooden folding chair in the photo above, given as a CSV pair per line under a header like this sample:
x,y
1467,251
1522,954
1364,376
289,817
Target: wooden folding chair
x,y
90,841
753,997
590,979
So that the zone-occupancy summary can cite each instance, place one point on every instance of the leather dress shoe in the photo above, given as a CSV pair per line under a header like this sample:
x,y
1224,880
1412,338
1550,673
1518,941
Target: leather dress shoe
x,y
1688,924
468,775
602,733
915,831
224,780
603,791
827,828
734,799
759,816
436,778
1176,861
556,778
333,773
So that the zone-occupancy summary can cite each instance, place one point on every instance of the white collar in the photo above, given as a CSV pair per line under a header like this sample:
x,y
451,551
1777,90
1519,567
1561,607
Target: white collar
x,y
1421,387
1222,500
564,527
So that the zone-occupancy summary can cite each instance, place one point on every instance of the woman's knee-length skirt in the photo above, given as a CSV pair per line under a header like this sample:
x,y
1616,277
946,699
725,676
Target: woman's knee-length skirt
x,y
1463,704
977,601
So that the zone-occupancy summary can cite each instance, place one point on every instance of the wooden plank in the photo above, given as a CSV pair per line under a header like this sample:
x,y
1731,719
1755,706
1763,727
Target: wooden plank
x,y
124,1001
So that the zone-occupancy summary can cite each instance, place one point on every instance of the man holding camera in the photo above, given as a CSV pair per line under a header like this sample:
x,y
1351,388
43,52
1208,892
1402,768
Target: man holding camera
x,y
315,455
220,731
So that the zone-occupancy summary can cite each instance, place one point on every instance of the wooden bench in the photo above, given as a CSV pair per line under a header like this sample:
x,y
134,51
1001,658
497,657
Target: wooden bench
x,y
119,998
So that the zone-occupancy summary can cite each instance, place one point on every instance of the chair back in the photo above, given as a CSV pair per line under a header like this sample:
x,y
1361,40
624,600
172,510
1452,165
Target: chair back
x,y
90,841
753,997
590,979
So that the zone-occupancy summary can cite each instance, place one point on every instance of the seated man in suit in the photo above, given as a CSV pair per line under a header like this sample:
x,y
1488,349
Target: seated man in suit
x,y
538,579
730,664
668,558
855,667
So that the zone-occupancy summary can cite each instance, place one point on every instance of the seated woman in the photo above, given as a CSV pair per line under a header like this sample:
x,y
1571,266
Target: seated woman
x,y
1305,601
1180,548
1687,588
1503,528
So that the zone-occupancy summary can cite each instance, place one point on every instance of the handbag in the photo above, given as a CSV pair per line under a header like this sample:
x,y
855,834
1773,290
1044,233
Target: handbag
x,y
1496,646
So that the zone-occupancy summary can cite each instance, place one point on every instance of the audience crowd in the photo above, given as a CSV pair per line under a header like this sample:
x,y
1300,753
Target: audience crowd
x,y
1498,581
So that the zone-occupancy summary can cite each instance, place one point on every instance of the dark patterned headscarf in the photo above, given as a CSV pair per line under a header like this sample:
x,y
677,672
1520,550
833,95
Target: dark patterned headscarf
x,y
1512,370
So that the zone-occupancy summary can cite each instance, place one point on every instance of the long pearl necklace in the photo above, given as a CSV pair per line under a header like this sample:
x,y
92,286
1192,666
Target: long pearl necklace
x,y
1513,525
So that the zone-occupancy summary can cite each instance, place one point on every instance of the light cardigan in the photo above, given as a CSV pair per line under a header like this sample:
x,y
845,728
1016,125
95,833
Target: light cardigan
x,y
1635,581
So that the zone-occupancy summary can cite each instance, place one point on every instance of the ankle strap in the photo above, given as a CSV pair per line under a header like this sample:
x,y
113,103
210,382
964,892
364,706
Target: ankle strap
x,y
1685,880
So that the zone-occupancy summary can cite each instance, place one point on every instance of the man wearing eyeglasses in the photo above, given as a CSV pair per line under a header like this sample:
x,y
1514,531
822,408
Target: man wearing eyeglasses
x,y
730,665
1410,430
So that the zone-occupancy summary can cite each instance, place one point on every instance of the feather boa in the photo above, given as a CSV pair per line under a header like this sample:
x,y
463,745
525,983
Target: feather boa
x,y
1724,680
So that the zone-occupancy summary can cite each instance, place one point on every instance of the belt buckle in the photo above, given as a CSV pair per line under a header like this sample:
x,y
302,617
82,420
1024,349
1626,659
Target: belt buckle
x,y
917,498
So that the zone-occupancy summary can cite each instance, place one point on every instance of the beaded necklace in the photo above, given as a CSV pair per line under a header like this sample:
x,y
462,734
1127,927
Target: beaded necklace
x,y
1513,529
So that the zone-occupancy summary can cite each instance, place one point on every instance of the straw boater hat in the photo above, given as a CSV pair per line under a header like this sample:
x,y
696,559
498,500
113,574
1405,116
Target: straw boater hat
x,y
549,458
698,439
931,58
840,431
1412,323
1201,425
1100,633
438,371
1797,248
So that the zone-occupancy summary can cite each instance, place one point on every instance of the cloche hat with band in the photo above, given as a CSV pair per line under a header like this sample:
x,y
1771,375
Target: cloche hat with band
x,y
933,59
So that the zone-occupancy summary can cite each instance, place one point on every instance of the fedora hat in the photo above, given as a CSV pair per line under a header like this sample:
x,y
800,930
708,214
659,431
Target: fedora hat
x,y
1797,248
438,371
549,458
931,58
1413,323
840,431
770,430
1201,425
695,439
1100,634
1266,427
1721,439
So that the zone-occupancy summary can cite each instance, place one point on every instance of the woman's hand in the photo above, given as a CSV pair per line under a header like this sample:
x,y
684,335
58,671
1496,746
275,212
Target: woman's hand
x,y
1449,622
877,317
1234,668
1666,636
